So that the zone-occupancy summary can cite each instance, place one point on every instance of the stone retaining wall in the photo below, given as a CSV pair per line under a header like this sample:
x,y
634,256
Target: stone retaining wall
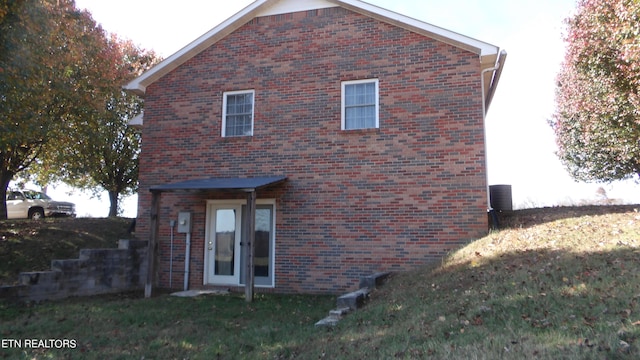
x,y
96,271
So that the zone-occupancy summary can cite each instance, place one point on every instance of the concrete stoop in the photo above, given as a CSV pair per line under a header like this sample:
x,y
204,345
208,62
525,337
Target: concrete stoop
x,y
354,300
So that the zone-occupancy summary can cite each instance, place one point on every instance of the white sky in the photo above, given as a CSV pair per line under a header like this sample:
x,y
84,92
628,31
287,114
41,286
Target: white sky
x,y
521,144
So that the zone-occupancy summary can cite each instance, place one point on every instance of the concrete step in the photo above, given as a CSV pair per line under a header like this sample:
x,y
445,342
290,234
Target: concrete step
x,y
374,280
353,300
334,317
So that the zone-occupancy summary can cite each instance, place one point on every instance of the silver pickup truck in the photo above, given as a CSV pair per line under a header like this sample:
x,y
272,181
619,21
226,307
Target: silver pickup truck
x,y
31,204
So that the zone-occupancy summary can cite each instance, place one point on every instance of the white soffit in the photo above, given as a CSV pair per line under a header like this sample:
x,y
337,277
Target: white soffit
x,y
138,120
288,6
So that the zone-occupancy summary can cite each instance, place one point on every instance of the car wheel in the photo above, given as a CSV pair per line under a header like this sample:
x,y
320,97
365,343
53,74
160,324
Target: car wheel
x,y
36,214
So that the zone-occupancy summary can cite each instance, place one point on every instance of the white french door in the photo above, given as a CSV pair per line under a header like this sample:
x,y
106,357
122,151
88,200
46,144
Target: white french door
x,y
223,244
224,260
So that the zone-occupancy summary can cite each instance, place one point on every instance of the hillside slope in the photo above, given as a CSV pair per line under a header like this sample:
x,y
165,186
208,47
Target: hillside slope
x,y
556,283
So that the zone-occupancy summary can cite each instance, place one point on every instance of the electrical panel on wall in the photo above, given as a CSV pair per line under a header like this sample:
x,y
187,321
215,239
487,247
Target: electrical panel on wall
x,y
184,222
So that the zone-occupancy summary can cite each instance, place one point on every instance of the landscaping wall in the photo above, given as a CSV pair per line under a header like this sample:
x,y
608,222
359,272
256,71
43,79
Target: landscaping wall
x,y
96,271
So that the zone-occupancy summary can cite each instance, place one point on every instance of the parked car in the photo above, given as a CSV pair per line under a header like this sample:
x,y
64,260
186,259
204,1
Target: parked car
x,y
30,204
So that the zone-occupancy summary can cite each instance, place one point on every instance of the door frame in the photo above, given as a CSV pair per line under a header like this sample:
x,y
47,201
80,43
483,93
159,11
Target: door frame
x,y
212,205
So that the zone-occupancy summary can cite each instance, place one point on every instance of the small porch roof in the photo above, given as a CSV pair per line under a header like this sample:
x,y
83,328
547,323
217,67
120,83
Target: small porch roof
x,y
241,184
247,185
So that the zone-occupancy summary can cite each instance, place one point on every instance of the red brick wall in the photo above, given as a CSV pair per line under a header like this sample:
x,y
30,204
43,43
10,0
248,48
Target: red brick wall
x,y
355,202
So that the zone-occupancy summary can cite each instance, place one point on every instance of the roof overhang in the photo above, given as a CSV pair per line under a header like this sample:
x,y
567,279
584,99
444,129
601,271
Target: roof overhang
x,y
229,184
488,53
137,121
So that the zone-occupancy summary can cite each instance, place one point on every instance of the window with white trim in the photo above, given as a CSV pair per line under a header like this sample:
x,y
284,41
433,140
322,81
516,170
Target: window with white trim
x,y
360,105
237,113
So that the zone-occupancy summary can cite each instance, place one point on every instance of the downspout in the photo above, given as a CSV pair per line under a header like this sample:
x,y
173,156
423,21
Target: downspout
x,y
187,256
172,224
486,101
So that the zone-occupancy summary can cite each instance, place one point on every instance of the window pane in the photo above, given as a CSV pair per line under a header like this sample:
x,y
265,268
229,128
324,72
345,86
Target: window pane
x,y
239,115
360,105
370,97
362,93
350,115
369,117
350,95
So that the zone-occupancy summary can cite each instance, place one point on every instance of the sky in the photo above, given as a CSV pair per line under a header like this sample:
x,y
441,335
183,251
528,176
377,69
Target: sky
x,y
520,143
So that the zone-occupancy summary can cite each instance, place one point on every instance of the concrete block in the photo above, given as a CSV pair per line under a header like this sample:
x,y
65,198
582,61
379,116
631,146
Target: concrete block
x,y
39,277
96,271
353,300
374,280
340,312
328,321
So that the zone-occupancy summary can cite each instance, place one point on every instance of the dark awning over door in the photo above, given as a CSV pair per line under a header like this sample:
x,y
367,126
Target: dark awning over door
x,y
248,184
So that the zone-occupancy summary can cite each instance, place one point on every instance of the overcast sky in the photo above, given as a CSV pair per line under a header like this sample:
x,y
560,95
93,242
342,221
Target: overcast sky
x,y
521,145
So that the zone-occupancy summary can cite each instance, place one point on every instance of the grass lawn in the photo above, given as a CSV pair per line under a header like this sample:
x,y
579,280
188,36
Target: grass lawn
x,y
166,327
555,284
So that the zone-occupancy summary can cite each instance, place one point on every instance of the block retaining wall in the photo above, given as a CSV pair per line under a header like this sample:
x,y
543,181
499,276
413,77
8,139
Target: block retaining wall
x,y
96,271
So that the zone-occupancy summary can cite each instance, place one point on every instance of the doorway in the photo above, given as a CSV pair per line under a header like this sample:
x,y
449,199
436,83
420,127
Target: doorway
x,y
224,260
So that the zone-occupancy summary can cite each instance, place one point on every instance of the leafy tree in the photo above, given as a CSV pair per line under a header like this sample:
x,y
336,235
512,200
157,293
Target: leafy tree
x,y
597,120
104,151
8,6
63,108
41,89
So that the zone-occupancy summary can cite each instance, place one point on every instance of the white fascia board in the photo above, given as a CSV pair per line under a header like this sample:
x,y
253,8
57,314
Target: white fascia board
x,y
450,37
488,53
138,120
139,85
290,6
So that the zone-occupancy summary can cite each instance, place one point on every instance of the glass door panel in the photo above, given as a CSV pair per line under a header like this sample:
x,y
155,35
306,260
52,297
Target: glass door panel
x,y
263,246
223,245
225,242
262,260
225,257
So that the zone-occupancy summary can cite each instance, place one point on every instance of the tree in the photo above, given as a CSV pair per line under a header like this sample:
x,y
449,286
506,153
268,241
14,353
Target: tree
x,y
113,151
42,90
63,106
597,118
102,150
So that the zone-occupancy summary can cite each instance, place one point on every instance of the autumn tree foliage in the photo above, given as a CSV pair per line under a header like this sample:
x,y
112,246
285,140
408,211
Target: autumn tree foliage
x,y
597,118
40,83
102,151
63,113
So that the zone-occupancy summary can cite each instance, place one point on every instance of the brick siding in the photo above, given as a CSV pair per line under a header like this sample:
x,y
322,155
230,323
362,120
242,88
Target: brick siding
x,y
355,202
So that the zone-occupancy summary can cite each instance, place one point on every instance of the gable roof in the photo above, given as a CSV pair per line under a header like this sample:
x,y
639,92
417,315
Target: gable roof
x,y
488,54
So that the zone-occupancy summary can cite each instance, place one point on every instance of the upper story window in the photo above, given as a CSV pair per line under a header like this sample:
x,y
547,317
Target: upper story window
x,y
360,104
237,113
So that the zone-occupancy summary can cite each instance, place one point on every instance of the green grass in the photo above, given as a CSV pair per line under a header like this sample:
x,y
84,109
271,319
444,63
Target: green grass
x,y
563,288
166,327
556,284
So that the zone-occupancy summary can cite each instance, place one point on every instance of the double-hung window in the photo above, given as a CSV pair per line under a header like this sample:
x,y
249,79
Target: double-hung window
x,y
360,105
237,113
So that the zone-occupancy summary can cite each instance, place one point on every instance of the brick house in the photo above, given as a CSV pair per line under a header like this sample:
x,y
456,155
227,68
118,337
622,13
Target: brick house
x,y
316,142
